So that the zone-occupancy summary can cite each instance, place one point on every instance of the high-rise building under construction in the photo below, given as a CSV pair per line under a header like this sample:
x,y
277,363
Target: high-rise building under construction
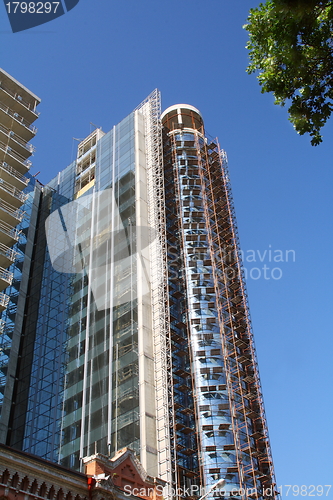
x,y
134,330
18,112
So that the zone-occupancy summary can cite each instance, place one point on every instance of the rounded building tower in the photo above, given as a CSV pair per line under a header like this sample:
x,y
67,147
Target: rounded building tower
x,y
182,116
219,431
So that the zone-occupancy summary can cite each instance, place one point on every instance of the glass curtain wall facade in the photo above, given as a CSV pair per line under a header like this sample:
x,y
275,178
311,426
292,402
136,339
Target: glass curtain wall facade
x,y
85,373
101,404
109,373
38,389
10,316
136,324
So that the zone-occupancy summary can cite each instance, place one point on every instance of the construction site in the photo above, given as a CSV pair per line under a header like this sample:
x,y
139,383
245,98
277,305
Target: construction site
x,y
218,421
133,327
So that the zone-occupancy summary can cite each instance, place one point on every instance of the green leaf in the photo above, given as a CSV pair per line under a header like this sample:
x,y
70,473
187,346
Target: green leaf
x,y
291,48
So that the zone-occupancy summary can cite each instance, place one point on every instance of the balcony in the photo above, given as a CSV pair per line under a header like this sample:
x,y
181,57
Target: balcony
x,y
16,143
17,161
12,176
18,103
6,278
11,194
9,214
8,235
4,299
13,120
7,256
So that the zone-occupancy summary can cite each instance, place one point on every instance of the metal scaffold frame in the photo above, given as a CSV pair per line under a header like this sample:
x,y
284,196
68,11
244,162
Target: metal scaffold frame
x,y
173,194
236,337
249,466
151,109
219,305
255,393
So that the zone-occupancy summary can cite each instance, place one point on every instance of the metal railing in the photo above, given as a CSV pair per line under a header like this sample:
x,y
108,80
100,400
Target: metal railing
x,y
19,99
9,230
18,118
14,212
6,275
7,252
13,191
4,299
17,156
14,173
29,147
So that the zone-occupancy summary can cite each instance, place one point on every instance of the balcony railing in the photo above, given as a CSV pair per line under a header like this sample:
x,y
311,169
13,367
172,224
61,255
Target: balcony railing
x,y
10,231
17,156
19,98
6,275
4,299
13,191
29,147
18,118
7,252
14,173
14,212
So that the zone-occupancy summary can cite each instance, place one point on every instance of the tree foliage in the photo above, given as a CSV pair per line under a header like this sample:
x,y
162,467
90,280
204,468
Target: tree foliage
x,y
291,45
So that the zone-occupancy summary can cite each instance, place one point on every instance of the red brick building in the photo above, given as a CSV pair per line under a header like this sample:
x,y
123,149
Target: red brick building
x,y
27,477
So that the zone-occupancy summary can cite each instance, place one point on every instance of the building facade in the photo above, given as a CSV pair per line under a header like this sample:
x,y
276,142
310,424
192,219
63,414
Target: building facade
x,y
135,327
23,475
18,112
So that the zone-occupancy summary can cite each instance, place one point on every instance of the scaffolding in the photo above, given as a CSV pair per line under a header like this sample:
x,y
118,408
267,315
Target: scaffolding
x,y
151,109
237,337
215,331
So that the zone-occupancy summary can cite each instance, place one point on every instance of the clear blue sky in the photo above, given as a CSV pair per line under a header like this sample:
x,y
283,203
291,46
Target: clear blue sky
x,y
96,63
